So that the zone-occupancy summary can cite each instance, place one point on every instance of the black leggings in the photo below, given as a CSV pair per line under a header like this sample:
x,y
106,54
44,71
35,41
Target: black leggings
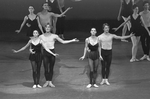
x,y
48,61
145,41
36,66
106,62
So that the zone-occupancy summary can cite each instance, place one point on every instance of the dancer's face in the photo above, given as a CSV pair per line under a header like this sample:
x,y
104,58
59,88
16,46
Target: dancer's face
x,y
106,28
47,28
136,10
93,31
35,33
45,6
31,9
146,6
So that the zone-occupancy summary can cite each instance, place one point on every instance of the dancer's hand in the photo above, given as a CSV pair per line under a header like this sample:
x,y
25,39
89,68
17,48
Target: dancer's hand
x,y
82,58
56,54
15,51
132,34
31,51
75,40
18,31
100,57
28,25
70,8
115,29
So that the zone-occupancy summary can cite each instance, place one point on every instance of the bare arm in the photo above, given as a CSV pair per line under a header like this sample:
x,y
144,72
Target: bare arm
x,y
85,50
39,24
66,41
119,14
23,48
23,23
122,24
60,15
145,25
122,37
99,49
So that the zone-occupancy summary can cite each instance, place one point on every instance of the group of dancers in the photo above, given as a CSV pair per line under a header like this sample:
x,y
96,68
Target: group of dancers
x,y
97,48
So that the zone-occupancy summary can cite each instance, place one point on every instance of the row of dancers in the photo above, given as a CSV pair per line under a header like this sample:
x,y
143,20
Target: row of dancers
x,y
96,47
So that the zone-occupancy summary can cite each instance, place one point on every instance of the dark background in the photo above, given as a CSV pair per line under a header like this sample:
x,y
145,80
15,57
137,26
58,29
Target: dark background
x,y
84,15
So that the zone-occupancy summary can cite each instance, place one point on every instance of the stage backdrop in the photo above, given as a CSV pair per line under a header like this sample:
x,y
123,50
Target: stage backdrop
x,y
84,9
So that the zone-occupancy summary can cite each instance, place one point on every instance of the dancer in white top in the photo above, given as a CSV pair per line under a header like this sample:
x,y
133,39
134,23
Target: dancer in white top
x,y
48,41
106,40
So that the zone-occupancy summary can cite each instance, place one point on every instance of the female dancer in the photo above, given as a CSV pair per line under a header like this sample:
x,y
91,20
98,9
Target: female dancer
x,y
48,41
106,40
124,12
31,22
35,57
136,28
93,48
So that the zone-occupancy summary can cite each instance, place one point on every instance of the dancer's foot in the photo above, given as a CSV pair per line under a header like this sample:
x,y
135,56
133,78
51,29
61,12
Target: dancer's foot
x,y
103,81
39,86
46,84
144,57
132,60
89,86
51,84
95,85
148,58
34,86
106,81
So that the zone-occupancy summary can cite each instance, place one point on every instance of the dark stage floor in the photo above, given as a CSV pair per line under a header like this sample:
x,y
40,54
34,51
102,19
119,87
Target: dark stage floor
x,y
128,80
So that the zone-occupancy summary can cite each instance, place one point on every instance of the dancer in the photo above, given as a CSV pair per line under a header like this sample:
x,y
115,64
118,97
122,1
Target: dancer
x,y
31,22
145,38
106,40
35,57
124,12
136,28
46,17
48,41
93,48
55,8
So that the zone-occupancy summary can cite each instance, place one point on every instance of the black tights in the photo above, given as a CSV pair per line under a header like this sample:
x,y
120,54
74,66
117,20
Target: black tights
x,y
36,66
106,62
145,41
93,70
49,62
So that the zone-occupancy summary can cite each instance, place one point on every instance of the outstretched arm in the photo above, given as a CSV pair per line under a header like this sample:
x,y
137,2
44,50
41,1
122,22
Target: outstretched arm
x,y
122,37
122,24
23,48
62,14
23,23
66,41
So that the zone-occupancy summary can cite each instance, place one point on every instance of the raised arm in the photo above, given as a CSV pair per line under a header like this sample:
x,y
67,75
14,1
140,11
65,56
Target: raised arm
x,y
23,48
122,24
23,23
66,41
62,14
